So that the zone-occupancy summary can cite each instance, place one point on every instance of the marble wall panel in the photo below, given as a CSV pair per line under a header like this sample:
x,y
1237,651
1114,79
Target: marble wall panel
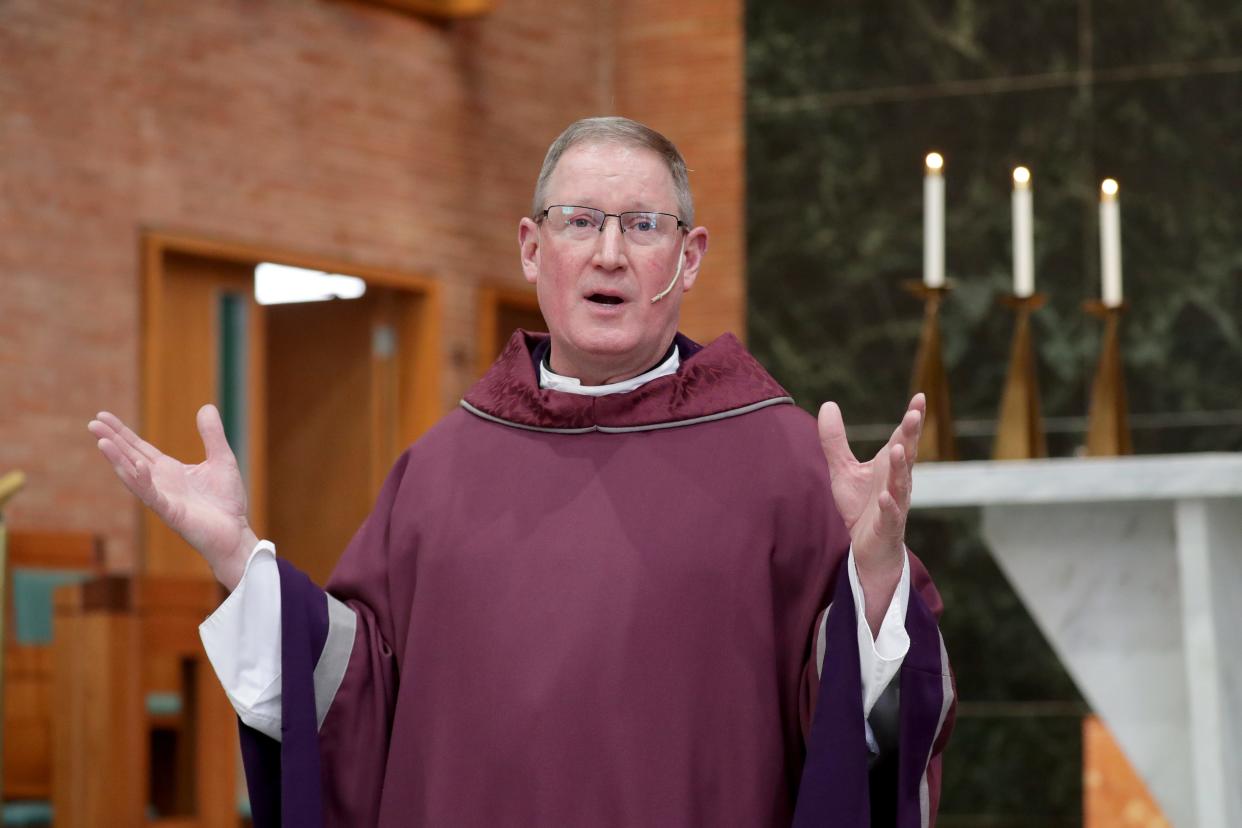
x,y
812,48
1159,38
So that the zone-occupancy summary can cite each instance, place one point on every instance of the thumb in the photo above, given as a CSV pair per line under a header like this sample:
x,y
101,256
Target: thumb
x,y
211,429
832,437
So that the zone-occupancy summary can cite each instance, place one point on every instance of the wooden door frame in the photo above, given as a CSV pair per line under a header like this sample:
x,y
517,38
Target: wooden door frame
x,y
491,297
419,349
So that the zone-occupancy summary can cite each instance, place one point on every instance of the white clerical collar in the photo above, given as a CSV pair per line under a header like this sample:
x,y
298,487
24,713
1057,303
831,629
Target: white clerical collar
x,y
571,385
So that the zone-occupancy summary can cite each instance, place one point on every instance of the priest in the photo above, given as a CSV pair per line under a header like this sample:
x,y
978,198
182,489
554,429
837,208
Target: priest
x,y
626,583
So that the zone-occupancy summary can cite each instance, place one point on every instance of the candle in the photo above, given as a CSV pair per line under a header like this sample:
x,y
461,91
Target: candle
x,y
1023,234
1110,243
933,222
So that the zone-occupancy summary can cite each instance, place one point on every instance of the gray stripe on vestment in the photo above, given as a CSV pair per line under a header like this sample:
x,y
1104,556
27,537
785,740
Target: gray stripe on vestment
x,y
330,669
723,415
821,646
946,689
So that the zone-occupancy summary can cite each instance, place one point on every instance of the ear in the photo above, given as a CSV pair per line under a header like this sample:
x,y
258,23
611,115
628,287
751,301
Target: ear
x,y
528,246
696,249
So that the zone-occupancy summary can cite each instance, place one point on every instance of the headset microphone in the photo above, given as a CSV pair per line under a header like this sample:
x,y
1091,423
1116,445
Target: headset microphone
x,y
681,257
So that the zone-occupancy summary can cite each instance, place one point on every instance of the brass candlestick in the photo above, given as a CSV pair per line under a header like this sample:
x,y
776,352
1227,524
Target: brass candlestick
x,y
937,441
1019,429
1108,422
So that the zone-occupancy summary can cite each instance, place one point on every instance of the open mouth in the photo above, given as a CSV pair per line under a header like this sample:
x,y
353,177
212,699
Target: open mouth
x,y
604,299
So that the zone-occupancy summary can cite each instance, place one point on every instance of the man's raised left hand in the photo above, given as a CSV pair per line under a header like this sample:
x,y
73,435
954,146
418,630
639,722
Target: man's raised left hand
x,y
874,499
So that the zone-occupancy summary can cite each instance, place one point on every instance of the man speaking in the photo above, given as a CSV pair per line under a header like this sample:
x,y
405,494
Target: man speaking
x,y
626,583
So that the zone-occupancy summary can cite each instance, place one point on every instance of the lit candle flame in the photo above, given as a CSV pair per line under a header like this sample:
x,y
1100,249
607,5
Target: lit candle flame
x,y
1108,188
1021,177
934,162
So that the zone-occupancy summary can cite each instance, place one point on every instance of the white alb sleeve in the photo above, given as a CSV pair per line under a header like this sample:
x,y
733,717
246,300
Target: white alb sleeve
x,y
881,657
242,640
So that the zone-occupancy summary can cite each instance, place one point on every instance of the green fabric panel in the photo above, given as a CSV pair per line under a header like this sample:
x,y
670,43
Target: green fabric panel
x,y
163,704
28,813
32,601
231,370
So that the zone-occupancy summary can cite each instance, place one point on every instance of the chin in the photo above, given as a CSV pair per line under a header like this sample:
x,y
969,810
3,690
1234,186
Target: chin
x,y
605,342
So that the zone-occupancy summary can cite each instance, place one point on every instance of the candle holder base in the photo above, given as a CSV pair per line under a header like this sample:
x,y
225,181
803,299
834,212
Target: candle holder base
x,y
937,441
1108,422
1019,430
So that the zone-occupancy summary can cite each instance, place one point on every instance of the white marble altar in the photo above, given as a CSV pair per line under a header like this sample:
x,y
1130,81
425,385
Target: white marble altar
x,y
1132,568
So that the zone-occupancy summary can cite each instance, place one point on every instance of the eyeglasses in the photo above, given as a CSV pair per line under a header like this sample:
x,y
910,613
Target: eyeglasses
x,y
577,223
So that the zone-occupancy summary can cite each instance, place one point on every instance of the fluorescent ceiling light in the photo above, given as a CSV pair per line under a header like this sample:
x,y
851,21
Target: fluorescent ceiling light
x,y
276,284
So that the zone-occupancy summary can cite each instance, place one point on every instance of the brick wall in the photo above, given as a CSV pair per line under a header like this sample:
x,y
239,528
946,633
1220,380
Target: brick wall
x,y
324,127
680,68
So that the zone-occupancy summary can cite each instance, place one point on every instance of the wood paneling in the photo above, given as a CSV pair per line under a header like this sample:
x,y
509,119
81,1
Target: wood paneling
x,y
54,550
99,744
106,630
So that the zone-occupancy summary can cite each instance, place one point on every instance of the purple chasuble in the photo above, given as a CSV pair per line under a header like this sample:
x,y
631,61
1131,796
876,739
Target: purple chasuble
x,y
599,611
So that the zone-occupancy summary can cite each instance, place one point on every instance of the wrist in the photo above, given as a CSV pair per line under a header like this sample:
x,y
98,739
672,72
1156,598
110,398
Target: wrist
x,y
229,570
878,575
879,570
879,564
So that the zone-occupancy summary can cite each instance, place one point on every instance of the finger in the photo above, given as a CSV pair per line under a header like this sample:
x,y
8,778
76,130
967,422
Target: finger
x,y
832,437
135,474
211,429
128,471
918,405
899,483
907,433
103,431
127,434
145,488
891,525
121,464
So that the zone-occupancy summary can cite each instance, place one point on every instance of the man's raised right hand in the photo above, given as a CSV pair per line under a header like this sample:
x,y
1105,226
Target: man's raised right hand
x,y
204,503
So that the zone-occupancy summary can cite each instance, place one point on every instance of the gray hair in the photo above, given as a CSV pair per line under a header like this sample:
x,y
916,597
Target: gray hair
x,y
623,131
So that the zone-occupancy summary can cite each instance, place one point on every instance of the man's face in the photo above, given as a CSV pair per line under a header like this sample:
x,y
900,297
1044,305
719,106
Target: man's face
x,y
595,292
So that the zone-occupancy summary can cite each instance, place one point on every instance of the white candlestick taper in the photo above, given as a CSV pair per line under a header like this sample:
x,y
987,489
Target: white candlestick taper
x,y
933,221
1023,234
1110,243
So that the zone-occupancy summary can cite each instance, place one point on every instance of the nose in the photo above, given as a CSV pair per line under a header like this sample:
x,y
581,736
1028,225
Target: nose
x,y
610,248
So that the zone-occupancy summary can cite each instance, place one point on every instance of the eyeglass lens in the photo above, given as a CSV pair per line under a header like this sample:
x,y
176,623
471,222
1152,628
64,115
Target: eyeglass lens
x,y
582,223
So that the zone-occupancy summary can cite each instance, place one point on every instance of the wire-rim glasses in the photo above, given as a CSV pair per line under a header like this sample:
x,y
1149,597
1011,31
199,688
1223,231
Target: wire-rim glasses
x,y
578,223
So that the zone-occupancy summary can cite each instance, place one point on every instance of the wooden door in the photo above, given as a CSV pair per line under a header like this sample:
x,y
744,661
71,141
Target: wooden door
x,y
333,417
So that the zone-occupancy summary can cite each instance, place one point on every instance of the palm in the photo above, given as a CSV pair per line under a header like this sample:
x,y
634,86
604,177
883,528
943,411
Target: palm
x,y
204,503
873,497
856,492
